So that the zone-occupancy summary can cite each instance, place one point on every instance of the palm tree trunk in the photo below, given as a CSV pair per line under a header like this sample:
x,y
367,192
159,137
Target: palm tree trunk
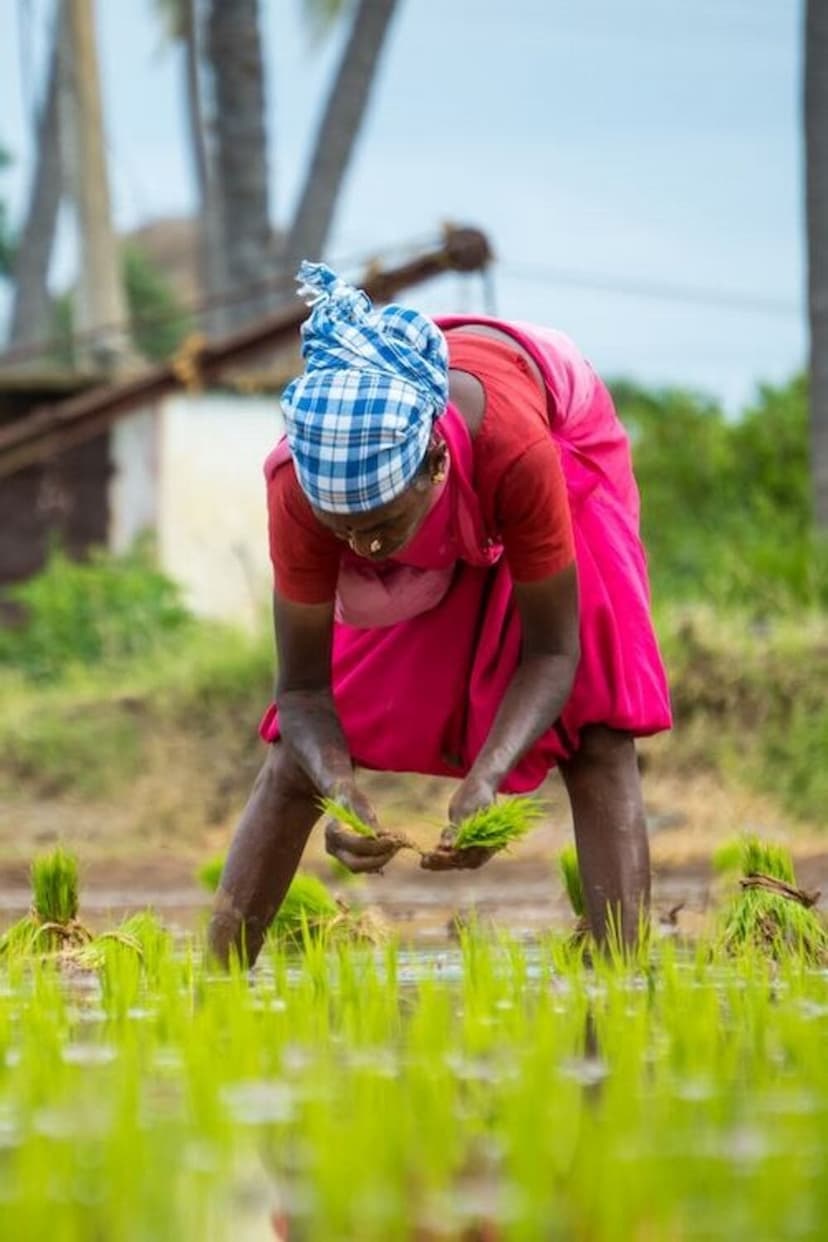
x,y
213,277
338,132
31,306
816,163
235,57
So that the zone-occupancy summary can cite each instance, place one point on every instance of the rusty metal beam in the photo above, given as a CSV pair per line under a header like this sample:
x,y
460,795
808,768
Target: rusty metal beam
x,y
50,429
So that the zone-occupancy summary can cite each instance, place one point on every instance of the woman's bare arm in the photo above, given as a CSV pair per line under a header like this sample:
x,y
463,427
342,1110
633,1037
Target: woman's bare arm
x,y
311,728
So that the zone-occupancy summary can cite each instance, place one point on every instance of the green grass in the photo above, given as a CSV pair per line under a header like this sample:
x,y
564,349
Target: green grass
x,y
500,825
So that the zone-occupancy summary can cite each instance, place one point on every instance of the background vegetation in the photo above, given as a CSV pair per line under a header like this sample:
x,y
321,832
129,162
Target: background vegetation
x,y
108,659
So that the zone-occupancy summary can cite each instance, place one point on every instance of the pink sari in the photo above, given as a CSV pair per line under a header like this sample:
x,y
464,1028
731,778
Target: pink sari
x,y
426,644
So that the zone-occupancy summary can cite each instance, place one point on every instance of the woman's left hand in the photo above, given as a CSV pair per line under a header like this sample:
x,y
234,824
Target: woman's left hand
x,y
475,794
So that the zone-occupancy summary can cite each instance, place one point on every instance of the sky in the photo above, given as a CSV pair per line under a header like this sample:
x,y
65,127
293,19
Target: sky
x,y
614,151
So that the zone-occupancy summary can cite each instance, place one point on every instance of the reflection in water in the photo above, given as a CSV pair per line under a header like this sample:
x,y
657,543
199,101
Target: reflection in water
x,y
589,1070
250,1207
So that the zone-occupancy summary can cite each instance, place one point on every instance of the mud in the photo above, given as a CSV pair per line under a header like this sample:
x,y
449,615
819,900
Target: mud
x,y
521,894
133,854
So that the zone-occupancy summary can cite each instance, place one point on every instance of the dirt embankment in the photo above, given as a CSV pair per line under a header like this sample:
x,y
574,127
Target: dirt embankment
x,y
144,787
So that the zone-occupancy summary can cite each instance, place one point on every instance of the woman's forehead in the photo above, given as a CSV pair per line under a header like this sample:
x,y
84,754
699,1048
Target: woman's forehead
x,y
368,520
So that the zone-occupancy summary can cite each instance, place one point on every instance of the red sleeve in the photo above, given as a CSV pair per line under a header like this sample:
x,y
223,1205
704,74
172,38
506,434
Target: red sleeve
x,y
532,513
304,555
517,464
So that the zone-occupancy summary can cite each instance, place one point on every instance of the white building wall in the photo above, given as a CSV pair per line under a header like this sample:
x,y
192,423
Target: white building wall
x,y
211,506
133,484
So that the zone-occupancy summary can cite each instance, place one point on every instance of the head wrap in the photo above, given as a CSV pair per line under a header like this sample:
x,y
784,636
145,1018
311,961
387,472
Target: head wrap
x,y
359,420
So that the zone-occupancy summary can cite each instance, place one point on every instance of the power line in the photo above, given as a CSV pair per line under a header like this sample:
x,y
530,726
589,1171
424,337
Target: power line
x,y
688,294
281,281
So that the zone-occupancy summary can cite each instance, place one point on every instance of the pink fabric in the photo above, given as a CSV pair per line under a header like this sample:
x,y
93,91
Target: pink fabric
x,y
420,694
373,594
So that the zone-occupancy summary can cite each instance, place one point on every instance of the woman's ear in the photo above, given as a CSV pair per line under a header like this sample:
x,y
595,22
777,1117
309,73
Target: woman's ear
x,y
438,461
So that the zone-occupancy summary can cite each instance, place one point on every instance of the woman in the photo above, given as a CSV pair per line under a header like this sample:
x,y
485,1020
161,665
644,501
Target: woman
x,y
460,589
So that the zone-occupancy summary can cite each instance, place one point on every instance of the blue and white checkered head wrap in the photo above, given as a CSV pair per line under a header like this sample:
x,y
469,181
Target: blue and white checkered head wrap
x,y
359,420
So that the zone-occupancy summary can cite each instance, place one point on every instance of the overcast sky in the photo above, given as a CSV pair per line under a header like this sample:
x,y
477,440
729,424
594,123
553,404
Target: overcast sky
x,y
609,148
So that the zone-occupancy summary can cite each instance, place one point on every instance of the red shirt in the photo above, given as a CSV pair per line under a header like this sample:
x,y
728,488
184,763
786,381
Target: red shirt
x,y
517,473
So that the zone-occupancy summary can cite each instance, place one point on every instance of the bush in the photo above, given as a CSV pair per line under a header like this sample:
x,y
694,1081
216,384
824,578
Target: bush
x,y
158,324
105,609
726,513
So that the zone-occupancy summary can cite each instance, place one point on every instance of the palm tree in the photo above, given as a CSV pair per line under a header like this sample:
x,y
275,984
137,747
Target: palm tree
x,y
816,163
31,306
184,23
335,142
241,143
234,53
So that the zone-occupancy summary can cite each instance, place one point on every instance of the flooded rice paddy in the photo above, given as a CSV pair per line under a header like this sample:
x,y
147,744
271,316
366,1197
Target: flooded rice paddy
x,y
497,1088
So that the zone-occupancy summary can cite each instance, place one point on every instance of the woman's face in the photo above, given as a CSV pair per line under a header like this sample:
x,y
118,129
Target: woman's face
x,y
384,531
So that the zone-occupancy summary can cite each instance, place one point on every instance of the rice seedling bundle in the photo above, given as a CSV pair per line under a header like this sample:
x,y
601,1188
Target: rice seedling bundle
x,y
498,826
55,887
52,924
308,906
307,902
349,819
209,873
570,874
770,912
346,816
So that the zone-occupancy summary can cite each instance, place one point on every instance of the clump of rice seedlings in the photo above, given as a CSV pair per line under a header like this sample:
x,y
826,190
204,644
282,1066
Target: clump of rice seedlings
x,y
570,874
52,923
308,905
310,908
55,887
209,873
498,826
349,818
142,933
727,857
770,913
344,815
308,902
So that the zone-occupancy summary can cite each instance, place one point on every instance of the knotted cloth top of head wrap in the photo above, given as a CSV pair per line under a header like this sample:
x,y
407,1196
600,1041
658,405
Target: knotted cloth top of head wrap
x,y
359,420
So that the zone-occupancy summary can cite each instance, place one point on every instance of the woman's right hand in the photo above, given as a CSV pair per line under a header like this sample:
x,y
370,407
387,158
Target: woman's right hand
x,y
356,852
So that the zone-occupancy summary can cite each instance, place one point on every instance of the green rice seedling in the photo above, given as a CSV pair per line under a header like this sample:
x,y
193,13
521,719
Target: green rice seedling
x,y
498,826
570,874
350,819
209,873
52,924
344,815
308,899
142,933
727,857
770,913
55,887
311,910
17,940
